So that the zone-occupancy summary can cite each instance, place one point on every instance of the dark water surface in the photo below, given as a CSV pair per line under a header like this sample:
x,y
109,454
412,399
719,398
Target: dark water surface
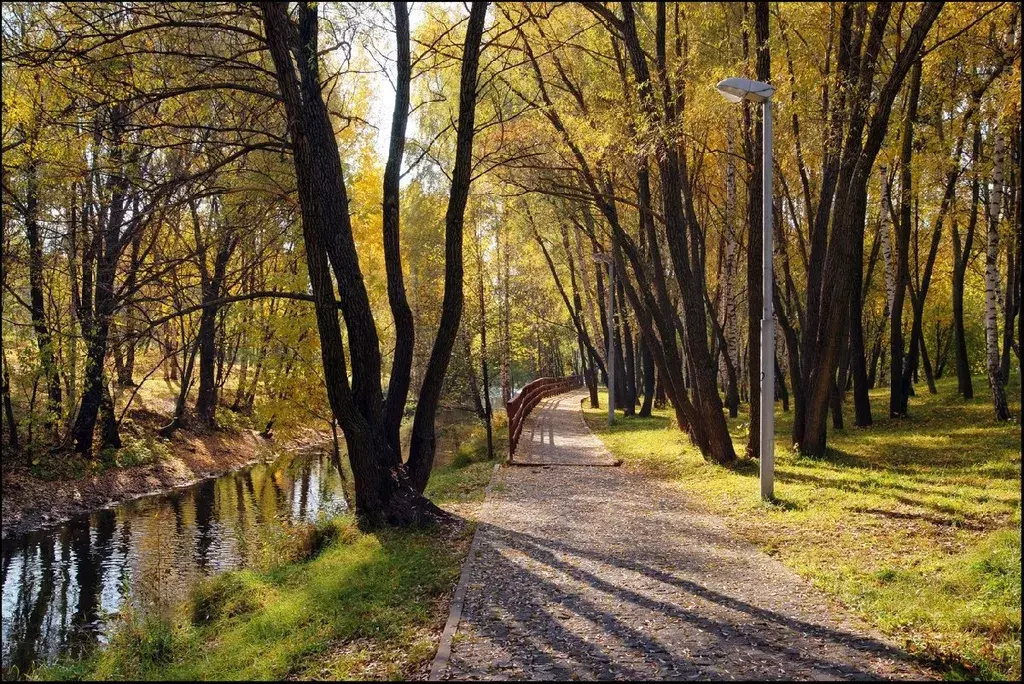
x,y
63,586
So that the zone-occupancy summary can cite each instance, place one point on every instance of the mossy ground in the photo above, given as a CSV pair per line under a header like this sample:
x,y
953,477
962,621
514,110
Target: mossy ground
x,y
914,523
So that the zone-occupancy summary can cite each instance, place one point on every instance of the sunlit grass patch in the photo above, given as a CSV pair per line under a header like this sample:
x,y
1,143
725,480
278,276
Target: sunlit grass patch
x,y
913,523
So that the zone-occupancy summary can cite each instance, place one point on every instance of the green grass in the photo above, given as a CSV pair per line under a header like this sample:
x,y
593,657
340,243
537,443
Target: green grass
x,y
342,604
914,524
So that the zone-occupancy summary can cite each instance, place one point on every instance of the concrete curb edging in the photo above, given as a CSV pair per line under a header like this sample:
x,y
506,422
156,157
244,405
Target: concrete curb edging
x,y
444,648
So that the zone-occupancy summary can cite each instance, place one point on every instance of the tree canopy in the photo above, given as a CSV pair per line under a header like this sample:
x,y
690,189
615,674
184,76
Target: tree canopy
x,y
355,215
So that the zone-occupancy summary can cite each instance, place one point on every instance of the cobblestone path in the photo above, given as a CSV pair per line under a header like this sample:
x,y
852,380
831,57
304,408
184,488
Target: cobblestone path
x,y
585,572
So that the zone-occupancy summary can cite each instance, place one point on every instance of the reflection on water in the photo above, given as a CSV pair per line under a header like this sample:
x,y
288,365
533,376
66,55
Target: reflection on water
x,y
62,585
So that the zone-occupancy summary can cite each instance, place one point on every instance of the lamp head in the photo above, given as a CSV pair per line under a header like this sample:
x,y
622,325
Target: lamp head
x,y
739,89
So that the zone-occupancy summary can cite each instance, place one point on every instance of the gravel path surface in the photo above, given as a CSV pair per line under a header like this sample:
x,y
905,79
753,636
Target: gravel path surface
x,y
598,573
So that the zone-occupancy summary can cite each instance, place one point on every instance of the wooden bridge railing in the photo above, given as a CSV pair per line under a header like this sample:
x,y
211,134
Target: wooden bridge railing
x,y
520,406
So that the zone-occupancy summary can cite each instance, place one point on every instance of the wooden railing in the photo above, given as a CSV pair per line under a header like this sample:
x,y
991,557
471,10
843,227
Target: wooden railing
x,y
520,406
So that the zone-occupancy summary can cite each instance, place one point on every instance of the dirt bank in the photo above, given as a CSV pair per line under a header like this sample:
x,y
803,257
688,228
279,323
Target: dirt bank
x,y
30,502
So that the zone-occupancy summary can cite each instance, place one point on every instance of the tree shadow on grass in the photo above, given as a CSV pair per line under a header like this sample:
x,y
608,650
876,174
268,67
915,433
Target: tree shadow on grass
x,y
638,424
947,516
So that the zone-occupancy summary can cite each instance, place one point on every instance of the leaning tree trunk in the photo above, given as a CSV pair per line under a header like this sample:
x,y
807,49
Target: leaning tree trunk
x,y
583,337
677,207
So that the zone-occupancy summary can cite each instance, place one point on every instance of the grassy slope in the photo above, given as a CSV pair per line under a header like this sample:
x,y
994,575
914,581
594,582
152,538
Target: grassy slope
x,y
915,524
342,604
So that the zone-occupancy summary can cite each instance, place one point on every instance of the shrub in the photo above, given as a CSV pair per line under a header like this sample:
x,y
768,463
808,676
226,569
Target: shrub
x,y
233,421
222,596
136,451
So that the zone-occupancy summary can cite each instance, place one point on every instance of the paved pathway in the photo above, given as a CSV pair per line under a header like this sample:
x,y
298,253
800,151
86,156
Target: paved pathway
x,y
555,434
599,573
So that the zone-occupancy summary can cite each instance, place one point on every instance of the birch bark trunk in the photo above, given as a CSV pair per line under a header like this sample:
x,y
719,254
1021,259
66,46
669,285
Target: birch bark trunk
x,y
728,295
992,364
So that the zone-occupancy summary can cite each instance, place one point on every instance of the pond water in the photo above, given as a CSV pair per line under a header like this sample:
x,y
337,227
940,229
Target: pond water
x,y
63,586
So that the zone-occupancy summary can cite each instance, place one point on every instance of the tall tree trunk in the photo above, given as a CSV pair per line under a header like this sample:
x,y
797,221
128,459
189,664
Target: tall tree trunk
x,y
618,321
13,446
1020,235
755,297
108,244
918,347
125,358
929,374
1013,266
995,379
711,431
847,215
647,359
5,390
732,342
961,257
898,388
213,283
858,362
780,385
474,386
884,230
405,329
506,314
384,492
629,367
424,436
44,339
602,298
481,302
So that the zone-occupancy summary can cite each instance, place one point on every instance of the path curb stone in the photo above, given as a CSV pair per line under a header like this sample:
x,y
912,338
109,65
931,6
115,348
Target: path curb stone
x,y
444,648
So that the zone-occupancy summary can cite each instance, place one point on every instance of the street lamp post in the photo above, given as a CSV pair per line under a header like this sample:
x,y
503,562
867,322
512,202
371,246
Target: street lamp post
x,y
607,260
737,90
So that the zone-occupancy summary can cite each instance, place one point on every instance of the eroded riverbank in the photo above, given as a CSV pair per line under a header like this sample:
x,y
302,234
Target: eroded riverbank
x,y
65,584
31,503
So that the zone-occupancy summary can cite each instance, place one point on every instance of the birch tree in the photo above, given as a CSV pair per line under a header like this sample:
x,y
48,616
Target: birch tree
x,y
994,209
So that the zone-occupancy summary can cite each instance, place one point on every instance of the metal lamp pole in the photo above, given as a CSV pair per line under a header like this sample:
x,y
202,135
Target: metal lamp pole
x,y
737,90
607,260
